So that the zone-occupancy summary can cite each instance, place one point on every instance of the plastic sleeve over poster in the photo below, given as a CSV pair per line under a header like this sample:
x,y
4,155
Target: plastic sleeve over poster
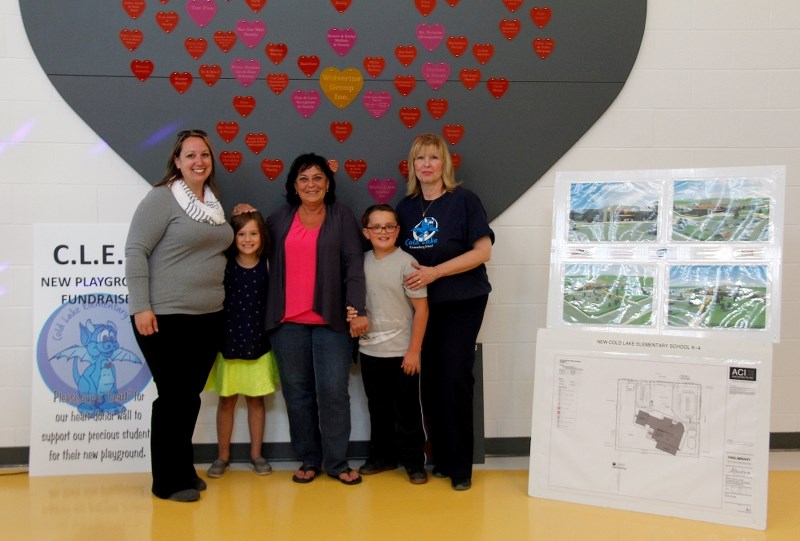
x,y
664,425
684,252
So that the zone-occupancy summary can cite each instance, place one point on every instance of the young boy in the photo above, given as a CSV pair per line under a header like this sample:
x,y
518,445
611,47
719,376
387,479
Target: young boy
x,y
390,352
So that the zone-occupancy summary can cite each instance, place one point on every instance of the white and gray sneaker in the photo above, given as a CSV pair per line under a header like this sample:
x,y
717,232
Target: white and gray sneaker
x,y
261,466
218,468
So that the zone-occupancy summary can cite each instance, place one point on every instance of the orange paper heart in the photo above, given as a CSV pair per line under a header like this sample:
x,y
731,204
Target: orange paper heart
x,y
341,87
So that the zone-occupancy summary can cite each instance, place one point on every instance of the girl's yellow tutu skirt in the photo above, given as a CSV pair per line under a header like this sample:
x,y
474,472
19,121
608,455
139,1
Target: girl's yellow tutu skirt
x,y
258,377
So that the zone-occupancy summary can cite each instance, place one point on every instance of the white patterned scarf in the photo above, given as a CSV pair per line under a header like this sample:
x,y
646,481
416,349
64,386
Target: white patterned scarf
x,y
209,212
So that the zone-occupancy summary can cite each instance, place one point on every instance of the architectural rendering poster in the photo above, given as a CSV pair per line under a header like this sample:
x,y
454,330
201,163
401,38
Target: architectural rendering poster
x,y
91,389
675,252
675,426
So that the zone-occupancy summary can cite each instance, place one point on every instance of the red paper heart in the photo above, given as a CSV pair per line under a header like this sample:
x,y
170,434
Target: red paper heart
x,y
425,6
510,28
256,5
210,73
409,116
133,8
437,107
457,45
272,168
181,81
497,86
453,3
355,168
341,130
403,167
227,130
244,105
405,84
308,64
142,69
276,52
341,5
167,20
512,5
453,133
196,47
470,77
131,39
405,54
382,189
374,65
543,47
483,52
225,40
277,82
541,16
230,160
256,141
456,159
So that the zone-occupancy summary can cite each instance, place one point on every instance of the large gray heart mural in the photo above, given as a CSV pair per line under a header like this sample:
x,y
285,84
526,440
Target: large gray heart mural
x,y
510,85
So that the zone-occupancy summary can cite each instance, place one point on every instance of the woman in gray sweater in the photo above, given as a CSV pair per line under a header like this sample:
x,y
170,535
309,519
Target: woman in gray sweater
x,y
174,268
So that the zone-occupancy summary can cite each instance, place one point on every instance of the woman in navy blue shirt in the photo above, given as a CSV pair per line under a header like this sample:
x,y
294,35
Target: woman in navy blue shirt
x,y
444,226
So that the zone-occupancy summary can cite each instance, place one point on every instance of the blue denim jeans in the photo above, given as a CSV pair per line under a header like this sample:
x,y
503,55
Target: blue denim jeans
x,y
314,364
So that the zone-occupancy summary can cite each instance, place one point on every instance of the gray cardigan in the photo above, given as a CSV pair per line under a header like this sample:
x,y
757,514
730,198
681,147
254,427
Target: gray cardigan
x,y
173,264
339,280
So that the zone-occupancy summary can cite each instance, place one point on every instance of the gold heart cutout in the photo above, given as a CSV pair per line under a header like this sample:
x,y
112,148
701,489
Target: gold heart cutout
x,y
341,87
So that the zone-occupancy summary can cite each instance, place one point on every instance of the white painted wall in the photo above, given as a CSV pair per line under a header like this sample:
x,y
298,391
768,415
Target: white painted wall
x,y
717,83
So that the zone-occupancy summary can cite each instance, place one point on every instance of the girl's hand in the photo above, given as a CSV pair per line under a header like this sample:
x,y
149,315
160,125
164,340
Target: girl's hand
x,y
358,326
411,363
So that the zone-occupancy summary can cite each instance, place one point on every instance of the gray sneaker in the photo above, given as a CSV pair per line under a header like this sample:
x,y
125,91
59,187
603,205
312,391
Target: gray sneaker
x,y
217,468
261,466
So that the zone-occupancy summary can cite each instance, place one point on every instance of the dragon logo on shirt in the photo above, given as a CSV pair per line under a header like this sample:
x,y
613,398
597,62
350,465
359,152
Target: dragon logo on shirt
x,y
424,231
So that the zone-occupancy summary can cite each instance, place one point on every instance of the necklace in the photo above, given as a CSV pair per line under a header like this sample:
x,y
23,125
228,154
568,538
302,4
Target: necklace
x,y
425,209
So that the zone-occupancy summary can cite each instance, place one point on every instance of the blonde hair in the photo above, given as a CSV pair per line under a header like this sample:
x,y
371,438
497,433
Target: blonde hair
x,y
440,147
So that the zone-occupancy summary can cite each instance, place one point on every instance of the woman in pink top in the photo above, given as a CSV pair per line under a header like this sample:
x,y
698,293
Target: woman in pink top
x,y
316,269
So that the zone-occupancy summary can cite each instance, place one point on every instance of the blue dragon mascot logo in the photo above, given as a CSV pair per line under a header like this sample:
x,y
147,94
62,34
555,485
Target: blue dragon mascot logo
x,y
425,230
97,383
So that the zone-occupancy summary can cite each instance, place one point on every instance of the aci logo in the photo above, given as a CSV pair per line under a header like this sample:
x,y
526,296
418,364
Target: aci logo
x,y
742,374
88,357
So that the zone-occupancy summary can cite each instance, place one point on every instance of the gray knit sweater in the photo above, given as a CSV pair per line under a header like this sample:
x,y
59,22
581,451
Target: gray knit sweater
x,y
173,264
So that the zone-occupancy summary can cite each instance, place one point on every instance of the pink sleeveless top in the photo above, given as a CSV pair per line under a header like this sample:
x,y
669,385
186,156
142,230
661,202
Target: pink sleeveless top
x,y
301,269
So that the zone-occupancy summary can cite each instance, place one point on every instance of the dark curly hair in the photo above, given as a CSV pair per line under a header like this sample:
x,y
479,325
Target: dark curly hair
x,y
300,164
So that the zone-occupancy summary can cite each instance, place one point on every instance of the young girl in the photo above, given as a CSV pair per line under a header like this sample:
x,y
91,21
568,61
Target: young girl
x,y
245,365
390,352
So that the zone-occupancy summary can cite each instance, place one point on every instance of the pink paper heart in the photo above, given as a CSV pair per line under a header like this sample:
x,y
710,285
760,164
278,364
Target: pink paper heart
x,y
201,11
436,74
376,103
430,36
306,102
251,32
245,71
341,41
382,189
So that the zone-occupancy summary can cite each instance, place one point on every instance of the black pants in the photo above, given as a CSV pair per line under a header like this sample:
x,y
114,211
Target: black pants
x,y
395,415
180,356
448,356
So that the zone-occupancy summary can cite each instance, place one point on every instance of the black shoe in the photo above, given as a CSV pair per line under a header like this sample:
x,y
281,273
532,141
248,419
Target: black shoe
x,y
371,467
462,484
199,484
417,476
438,473
186,495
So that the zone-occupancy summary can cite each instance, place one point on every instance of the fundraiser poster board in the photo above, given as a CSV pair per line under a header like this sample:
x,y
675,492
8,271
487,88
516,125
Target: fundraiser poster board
x,y
675,426
91,388
683,252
